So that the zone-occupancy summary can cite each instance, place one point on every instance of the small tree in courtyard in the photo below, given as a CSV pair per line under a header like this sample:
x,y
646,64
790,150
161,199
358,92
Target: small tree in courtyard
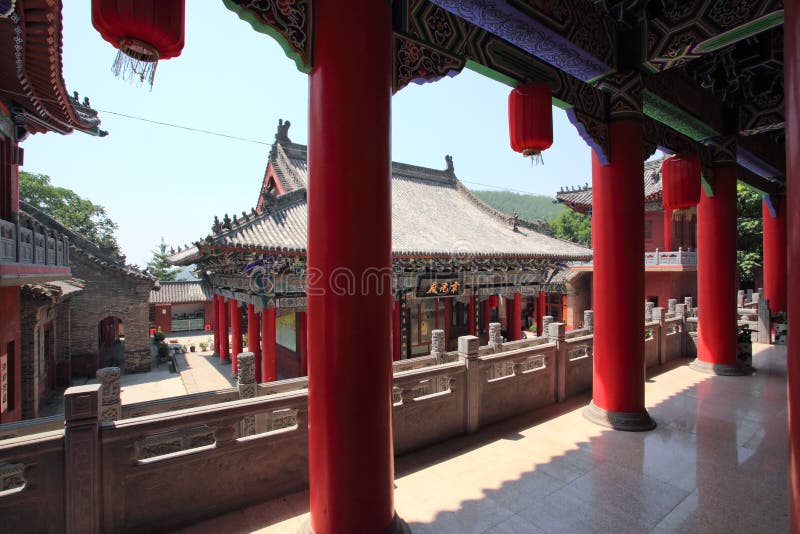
x,y
158,265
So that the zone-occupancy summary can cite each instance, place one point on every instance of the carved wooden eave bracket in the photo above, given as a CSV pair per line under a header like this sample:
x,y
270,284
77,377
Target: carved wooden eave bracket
x,y
418,62
287,21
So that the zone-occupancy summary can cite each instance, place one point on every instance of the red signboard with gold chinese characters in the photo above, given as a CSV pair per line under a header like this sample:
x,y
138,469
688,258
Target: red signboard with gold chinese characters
x,y
439,286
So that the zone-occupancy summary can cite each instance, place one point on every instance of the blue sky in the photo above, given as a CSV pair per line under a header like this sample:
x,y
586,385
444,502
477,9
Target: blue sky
x,y
161,181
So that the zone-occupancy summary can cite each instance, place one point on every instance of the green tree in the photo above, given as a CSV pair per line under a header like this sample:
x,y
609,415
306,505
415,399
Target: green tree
x,y
159,267
572,226
748,233
70,209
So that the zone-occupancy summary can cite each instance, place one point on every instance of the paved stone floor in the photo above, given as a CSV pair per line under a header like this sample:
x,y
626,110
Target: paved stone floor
x,y
716,463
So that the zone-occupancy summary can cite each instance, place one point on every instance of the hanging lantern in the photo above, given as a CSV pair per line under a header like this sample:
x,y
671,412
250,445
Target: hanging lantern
x,y
530,119
680,177
144,31
493,301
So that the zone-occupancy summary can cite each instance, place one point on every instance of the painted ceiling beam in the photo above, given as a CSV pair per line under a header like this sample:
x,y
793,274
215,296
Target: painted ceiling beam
x,y
705,27
572,36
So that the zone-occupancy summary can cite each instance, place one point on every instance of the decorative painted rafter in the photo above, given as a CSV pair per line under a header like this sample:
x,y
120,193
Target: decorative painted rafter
x,y
689,30
572,36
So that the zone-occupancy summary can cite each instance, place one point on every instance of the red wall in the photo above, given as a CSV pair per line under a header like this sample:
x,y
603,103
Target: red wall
x,y
10,332
671,285
164,317
654,219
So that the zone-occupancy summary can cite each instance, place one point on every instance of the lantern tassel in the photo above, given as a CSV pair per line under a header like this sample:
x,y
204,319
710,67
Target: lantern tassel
x,y
682,214
136,61
534,155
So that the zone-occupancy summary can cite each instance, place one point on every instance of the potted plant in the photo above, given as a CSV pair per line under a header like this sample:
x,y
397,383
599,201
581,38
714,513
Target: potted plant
x,y
781,328
203,346
744,351
159,336
191,347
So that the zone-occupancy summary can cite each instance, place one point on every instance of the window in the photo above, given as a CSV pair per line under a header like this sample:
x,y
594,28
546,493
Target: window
x,y
648,230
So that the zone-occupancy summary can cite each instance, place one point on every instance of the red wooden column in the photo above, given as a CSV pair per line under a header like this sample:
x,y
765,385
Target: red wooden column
x,y
618,283
667,230
791,48
515,321
541,304
215,323
236,334
774,247
716,276
224,356
254,338
349,230
471,316
301,322
396,332
269,365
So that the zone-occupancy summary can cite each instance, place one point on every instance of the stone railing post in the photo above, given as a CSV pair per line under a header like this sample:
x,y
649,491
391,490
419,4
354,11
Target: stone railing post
x,y
764,334
438,348
689,303
740,298
546,321
648,311
680,311
110,402
82,458
658,333
671,303
557,333
588,320
468,350
495,337
246,362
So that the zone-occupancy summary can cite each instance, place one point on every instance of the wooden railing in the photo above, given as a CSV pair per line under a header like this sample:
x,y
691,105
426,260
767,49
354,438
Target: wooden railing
x,y
24,240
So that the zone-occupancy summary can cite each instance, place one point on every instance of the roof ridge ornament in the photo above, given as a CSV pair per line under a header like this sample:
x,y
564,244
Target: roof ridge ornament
x,y
450,170
282,135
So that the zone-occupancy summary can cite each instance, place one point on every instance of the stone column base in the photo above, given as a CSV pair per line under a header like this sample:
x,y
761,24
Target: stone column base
x,y
628,422
717,368
398,526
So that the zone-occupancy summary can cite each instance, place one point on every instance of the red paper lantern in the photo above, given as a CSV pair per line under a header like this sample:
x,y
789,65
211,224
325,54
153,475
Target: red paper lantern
x,y
144,31
493,301
530,119
680,177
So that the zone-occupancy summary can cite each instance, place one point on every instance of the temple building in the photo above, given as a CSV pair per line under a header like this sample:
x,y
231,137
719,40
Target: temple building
x,y
345,243
457,264
33,100
670,243
181,306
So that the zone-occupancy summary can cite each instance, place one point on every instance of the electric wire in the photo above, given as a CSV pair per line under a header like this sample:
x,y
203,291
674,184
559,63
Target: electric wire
x,y
243,139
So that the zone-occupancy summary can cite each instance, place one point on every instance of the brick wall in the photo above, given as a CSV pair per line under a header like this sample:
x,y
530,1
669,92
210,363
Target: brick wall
x,y
107,293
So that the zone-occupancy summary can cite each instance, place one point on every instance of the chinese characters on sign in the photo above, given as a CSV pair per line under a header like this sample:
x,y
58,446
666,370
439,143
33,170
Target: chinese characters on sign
x,y
439,287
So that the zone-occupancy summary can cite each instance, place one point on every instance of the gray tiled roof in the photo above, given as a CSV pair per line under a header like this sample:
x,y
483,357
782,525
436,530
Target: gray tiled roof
x,y
179,292
432,214
582,198
79,244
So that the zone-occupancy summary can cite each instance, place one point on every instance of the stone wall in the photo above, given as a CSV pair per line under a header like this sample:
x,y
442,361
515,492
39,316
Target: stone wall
x,y
108,293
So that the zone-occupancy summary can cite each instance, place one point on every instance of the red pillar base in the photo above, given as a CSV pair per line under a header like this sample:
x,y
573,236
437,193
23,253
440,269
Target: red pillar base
x,y
719,369
628,422
397,526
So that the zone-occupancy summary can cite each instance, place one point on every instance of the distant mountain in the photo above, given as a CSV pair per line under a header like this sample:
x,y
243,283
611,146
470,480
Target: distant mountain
x,y
528,207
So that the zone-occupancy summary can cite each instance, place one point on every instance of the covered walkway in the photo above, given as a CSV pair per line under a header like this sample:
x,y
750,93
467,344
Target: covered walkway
x,y
717,462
